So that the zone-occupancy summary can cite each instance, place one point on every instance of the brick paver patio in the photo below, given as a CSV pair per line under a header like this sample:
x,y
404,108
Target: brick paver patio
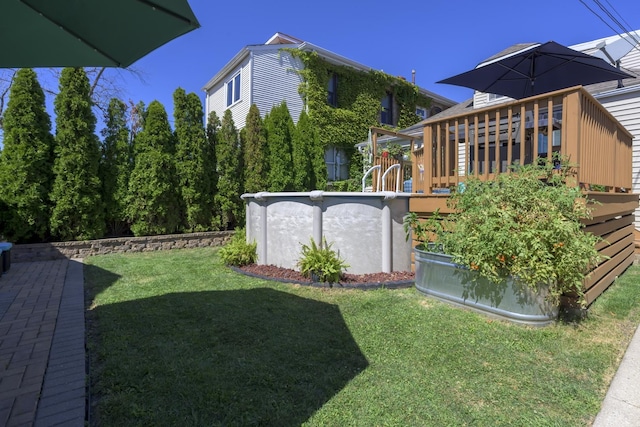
x,y
42,354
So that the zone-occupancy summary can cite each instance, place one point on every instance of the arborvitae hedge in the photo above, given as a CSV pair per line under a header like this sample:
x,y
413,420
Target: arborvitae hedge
x,y
78,212
212,131
255,152
308,157
229,174
279,141
115,167
154,201
192,164
26,163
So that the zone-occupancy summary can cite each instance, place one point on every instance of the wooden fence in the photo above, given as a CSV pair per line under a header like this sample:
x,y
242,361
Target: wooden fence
x,y
612,220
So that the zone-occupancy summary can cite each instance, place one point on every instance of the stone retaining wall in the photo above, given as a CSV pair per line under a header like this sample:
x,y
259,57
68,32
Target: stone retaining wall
x,y
82,249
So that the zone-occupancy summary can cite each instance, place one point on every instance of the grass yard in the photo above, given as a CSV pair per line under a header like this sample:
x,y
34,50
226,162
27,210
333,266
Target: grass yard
x,y
176,338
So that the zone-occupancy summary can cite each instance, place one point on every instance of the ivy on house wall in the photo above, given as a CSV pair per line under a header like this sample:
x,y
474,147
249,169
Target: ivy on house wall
x,y
358,99
359,96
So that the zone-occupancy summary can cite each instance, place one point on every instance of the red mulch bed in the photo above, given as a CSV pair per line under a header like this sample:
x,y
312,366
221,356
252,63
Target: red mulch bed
x,y
351,280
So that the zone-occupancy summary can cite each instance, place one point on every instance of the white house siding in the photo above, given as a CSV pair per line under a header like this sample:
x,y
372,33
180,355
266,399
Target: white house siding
x,y
625,108
217,96
215,100
462,157
275,79
480,99
631,60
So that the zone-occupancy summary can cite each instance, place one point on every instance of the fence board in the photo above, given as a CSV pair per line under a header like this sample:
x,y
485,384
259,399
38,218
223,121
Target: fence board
x,y
596,290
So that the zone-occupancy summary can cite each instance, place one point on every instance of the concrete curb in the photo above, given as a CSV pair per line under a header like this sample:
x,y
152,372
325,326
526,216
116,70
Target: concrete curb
x,y
621,405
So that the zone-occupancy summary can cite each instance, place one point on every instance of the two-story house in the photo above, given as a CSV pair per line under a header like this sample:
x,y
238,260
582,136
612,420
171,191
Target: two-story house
x,y
270,73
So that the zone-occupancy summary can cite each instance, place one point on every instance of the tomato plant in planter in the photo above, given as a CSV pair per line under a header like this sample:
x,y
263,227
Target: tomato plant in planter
x,y
525,224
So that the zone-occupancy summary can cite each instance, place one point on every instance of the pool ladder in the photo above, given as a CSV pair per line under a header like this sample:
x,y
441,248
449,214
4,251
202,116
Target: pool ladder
x,y
383,178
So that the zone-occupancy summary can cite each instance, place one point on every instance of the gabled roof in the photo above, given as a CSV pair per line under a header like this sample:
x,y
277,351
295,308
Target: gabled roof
x,y
282,38
508,51
608,48
278,39
591,46
598,89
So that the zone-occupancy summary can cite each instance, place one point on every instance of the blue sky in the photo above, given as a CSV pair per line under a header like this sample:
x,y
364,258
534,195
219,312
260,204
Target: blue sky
x,y
436,38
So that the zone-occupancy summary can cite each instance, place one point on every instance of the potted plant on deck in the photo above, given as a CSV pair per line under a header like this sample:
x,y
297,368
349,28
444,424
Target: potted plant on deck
x,y
393,150
513,245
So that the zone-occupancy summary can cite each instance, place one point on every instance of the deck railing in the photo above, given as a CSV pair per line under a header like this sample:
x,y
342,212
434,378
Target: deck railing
x,y
386,161
487,141
391,181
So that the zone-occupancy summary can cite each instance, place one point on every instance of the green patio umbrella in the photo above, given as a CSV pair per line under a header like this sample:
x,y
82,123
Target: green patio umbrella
x,y
88,33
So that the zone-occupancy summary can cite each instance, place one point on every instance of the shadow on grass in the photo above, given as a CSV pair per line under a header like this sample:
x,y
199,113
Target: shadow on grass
x,y
237,357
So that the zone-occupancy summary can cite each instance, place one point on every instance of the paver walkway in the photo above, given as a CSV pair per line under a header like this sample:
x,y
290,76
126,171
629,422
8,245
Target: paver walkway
x,y
42,353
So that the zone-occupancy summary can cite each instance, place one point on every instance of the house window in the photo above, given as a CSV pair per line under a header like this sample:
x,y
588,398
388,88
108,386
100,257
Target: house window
x,y
332,90
337,164
494,97
422,112
386,111
233,90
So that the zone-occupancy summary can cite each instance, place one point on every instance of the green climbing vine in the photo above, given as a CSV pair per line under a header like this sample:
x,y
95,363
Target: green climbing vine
x,y
358,99
358,95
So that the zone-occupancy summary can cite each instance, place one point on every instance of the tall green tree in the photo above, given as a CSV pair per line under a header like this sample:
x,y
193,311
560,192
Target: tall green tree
x,y
279,141
310,171
135,121
213,131
78,212
154,201
255,152
26,164
229,175
191,161
115,167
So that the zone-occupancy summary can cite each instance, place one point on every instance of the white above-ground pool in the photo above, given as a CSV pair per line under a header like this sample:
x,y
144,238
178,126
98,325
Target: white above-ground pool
x,y
365,228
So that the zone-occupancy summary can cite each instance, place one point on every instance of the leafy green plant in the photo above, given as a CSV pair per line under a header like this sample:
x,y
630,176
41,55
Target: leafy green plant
x,y
321,262
358,100
426,231
238,252
392,150
525,224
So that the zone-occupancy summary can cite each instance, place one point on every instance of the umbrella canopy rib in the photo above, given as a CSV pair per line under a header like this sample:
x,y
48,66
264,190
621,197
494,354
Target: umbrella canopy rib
x,y
169,12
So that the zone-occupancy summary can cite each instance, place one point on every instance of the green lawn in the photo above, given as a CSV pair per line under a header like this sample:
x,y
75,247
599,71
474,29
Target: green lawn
x,y
177,339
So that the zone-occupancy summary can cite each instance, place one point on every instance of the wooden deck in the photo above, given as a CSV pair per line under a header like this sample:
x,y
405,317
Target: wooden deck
x,y
485,142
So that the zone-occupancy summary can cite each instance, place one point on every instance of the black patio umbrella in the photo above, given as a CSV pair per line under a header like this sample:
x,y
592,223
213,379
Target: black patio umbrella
x,y
88,33
535,70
